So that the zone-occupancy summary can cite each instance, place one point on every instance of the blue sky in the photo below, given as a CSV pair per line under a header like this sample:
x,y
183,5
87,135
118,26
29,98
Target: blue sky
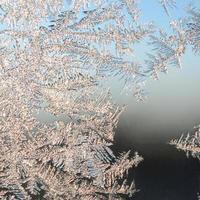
x,y
151,10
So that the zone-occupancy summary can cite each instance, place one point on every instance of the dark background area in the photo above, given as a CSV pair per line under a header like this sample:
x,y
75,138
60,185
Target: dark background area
x,y
165,173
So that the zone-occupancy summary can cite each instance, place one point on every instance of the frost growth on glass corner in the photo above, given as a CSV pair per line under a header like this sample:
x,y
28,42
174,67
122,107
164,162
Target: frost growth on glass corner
x,y
190,143
55,60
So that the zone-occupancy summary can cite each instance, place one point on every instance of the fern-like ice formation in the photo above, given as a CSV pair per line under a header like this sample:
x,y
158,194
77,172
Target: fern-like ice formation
x,y
56,60
167,4
193,28
168,49
190,144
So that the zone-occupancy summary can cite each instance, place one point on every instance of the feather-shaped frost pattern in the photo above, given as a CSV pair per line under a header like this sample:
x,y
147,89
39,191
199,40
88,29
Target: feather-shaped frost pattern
x,y
58,61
